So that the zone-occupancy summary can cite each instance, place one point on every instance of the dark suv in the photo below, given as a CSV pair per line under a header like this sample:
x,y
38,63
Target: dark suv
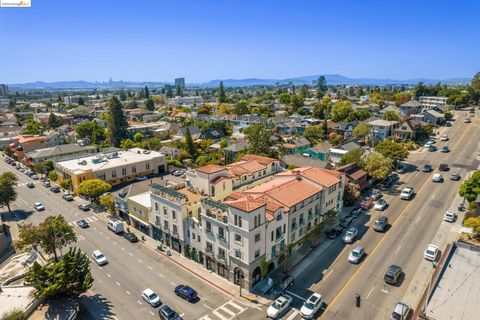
x,y
167,313
443,167
393,274
185,292
381,224
285,282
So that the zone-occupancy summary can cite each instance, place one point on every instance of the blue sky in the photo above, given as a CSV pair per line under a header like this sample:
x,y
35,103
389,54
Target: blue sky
x,y
208,39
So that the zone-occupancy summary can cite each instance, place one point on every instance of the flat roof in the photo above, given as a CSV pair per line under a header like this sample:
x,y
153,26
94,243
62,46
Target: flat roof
x,y
457,293
143,199
131,156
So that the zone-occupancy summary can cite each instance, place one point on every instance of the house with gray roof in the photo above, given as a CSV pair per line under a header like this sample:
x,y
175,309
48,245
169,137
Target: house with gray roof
x,y
60,152
411,107
434,117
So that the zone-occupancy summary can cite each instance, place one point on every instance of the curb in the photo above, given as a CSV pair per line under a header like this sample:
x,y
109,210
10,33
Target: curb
x,y
308,254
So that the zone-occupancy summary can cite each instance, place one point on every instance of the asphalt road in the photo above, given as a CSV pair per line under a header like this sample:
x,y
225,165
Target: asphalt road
x,y
116,292
413,226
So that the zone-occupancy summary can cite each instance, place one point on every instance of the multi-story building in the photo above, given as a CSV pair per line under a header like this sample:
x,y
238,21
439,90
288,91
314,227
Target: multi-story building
x,y
113,167
3,90
59,152
433,101
189,100
180,82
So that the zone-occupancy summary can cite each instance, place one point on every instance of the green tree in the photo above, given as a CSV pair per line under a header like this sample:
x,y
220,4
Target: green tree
x,y
32,127
53,234
16,314
304,91
54,121
178,91
8,194
205,109
150,105
313,133
284,98
93,188
297,102
341,111
69,277
117,124
146,92
138,137
419,90
222,97
108,202
122,95
81,102
392,150
476,82
470,188
189,143
66,184
362,115
361,130
319,111
259,139
128,144
377,166
7,151
240,108
52,175
474,223
321,87
91,130
391,116
352,156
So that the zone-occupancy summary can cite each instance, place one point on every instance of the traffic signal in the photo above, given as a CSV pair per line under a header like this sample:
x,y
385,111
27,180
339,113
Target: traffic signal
x,y
357,300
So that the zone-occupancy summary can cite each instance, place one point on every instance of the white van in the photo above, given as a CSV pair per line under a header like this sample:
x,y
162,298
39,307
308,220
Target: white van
x,y
115,226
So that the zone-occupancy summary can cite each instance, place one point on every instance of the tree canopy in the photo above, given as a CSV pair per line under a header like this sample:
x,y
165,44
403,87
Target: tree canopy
x,y
150,104
259,139
54,121
93,188
361,130
392,150
53,234
377,166
222,97
321,87
8,194
313,133
391,116
91,130
117,122
68,277
341,111
470,188
352,156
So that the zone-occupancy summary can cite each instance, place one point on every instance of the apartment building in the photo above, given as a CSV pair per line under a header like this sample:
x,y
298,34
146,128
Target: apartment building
x,y
219,181
113,167
59,152
432,101
233,238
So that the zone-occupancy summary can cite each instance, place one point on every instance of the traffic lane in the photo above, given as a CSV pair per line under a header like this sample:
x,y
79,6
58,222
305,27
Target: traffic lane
x,y
404,248
147,270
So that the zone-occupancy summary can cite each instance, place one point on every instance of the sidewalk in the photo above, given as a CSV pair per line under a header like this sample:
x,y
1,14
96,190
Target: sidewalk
x,y
446,234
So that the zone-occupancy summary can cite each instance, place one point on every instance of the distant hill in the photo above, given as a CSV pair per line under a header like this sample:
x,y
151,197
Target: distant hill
x,y
334,79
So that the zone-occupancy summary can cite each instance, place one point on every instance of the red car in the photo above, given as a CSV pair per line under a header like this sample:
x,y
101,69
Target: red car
x,y
366,203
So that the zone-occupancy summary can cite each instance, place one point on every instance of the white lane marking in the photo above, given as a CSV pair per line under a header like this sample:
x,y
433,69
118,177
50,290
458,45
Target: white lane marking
x,y
139,302
206,306
99,267
384,291
161,275
149,267
327,275
418,219
236,306
101,232
128,292
293,315
108,237
215,312
115,242
122,248
108,275
396,251
295,295
22,200
153,314
140,260
369,292
118,284
173,283
131,254
94,228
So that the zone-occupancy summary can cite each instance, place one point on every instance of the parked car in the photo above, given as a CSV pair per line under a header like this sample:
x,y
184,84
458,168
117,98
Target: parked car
x,y
455,176
38,206
431,252
167,313
34,177
279,307
333,232
141,178
356,212
444,137
467,120
131,237
84,207
445,149
393,274
450,216
381,205
285,282
376,194
55,189
400,311
46,184
366,203
427,168
345,222
68,197
31,185
82,224
432,148
99,258
437,177
185,292
407,193
443,167
400,169
381,224
448,124
430,142
311,306
350,235
151,297
356,255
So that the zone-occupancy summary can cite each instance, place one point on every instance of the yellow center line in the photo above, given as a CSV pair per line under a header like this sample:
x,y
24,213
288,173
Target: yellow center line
x,y
329,306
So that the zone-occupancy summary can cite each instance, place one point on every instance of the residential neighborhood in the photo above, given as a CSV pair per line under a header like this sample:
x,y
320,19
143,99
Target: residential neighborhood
x,y
212,196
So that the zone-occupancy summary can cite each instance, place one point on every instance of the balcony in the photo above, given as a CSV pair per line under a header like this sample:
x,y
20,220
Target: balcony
x,y
175,233
221,237
278,236
221,258
166,229
209,252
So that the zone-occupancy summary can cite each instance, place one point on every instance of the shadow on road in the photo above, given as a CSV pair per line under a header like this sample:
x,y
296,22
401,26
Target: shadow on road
x,y
16,215
96,307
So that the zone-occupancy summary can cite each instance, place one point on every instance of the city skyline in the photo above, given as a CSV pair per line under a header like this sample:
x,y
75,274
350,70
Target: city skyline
x,y
222,40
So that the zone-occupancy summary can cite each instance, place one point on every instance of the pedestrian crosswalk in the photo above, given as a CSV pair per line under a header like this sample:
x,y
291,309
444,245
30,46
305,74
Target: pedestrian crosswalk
x,y
226,311
88,219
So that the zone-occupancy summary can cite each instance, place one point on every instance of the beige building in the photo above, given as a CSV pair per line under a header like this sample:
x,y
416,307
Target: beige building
x,y
139,211
113,167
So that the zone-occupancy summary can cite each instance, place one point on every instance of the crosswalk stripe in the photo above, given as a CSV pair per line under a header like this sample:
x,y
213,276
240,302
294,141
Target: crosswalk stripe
x,y
226,310
236,306
215,312
293,315
206,317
